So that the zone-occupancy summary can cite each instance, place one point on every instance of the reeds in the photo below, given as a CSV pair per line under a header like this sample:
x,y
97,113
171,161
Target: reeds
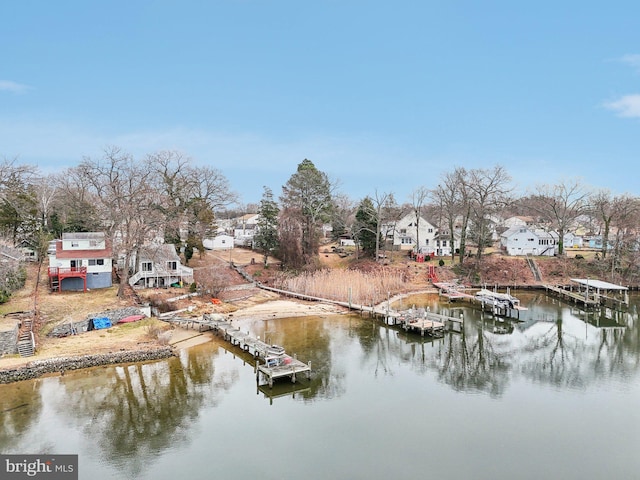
x,y
362,288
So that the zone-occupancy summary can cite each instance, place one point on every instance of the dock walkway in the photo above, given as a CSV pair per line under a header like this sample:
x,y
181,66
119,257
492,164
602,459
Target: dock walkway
x,y
271,360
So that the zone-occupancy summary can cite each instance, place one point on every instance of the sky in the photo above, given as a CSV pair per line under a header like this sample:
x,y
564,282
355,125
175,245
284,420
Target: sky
x,y
382,96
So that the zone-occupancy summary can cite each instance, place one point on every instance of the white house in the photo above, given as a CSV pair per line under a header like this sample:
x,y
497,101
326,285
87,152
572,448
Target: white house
x,y
80,261
443,246
518,221
159,266
221,241
521,240
408,231
245,229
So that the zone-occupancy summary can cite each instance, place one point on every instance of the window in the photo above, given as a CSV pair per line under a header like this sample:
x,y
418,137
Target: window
x,y
407,240
172,265
74,244
430,230
75,263
92,262
146,266
93,243
403,230
100,261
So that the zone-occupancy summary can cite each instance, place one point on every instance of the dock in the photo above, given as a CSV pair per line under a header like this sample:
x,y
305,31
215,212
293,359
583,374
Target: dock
x,y
452,291
271,360
500,304
591,293
424,322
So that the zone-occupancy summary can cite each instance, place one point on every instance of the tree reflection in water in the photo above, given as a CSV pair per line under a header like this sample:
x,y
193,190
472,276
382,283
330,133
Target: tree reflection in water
x,y
20,407
134,412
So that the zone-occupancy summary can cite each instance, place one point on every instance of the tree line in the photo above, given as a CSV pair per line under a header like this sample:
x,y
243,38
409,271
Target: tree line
x,y
164,196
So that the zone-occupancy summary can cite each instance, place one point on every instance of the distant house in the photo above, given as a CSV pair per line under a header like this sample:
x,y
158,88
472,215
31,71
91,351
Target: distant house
x,y
520,240
346,241
221,241
159,266
518,221
80,261
443,246
408,231
245,229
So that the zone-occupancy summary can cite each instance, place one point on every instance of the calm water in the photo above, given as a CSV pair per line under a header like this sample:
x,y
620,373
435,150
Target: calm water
x,y
554,396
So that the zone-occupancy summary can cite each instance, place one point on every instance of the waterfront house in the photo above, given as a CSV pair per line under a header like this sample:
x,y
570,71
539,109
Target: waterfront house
x,y
408,231
521,240
80,261
159,265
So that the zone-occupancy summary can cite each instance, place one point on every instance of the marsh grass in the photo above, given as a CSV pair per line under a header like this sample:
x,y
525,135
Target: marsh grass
x,y
363,288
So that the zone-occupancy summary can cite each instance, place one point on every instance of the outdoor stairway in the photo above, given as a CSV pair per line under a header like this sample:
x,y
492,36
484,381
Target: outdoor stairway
x,y
26,344
534,269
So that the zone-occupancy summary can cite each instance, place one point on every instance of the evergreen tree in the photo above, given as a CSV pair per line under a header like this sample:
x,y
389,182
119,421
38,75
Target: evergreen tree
x,y
366,227
266,237
307,198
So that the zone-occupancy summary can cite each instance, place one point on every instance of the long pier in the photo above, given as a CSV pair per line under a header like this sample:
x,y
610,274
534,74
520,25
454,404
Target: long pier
x,y
271,360
277,364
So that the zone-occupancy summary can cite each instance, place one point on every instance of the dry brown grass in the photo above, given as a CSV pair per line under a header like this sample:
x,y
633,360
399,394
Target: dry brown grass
x,y
364,288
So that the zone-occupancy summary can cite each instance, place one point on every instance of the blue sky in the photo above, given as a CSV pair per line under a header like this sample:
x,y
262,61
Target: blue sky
x,y
379,95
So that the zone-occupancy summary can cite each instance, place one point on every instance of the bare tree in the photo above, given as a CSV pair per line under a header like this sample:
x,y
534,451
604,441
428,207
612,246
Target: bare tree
x,y
189,197
418,198
559,205
454,197
127,202
609,212
489,190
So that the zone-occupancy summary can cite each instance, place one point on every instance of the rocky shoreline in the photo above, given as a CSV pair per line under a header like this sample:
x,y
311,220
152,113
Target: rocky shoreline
x,y
39,368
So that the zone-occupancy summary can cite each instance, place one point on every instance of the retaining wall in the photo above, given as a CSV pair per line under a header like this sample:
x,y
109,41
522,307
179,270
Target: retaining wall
x,y
9,340
38,368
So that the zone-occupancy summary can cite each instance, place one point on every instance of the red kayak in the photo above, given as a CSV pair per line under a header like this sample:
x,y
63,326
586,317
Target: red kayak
x,y
131,318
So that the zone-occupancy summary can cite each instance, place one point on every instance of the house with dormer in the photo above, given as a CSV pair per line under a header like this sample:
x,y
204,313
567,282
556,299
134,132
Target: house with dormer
x,y
410,233
80,261
159,266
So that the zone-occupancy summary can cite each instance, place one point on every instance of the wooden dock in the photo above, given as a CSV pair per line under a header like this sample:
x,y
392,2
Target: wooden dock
x,y
271,360
575,297
592,293
424,322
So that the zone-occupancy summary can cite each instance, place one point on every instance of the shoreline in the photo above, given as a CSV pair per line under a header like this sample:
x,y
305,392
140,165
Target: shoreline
x,y
29,368
38,368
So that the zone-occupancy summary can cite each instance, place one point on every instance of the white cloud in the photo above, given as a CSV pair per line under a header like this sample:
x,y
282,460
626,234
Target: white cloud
x,y
13,87
627,106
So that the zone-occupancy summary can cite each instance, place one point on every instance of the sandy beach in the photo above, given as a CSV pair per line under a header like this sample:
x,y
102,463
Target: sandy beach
x,y
182,338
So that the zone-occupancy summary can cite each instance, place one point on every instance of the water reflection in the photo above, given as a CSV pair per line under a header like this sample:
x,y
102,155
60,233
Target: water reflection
x,y
140,410
20,405
552,343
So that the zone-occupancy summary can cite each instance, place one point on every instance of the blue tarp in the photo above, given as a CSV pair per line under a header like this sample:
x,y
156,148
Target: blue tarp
x,y
102,322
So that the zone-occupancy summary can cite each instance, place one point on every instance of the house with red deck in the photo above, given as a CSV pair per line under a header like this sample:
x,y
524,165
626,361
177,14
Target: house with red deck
x,y
80,261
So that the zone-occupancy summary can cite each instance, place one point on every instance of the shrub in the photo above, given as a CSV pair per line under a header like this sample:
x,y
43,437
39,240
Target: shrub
x,y
441,262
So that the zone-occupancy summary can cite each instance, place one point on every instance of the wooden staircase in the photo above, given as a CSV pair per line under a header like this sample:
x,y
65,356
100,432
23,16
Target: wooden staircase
x,y
533,266
26,341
